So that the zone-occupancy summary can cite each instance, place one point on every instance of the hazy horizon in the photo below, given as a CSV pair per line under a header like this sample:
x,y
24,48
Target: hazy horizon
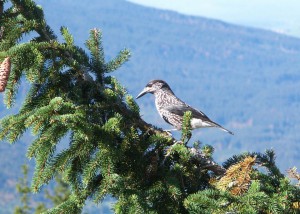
x,y
280,16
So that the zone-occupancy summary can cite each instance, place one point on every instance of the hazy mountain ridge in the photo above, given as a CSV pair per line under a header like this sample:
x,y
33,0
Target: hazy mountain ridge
x,y
245,79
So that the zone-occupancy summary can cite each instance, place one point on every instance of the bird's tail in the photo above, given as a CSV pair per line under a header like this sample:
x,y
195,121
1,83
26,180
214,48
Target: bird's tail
x,y
220,127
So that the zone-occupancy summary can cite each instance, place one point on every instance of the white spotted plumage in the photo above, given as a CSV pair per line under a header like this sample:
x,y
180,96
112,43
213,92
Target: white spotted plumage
x,y
172,109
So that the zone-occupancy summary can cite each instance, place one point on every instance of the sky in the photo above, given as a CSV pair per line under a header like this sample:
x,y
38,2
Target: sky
x,y
282,16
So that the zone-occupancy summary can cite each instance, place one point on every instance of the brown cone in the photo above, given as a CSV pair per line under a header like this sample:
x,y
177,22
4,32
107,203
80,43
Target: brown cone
x,y
4,73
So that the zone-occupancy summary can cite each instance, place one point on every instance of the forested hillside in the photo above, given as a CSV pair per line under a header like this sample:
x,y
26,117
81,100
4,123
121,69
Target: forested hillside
x,y
245,79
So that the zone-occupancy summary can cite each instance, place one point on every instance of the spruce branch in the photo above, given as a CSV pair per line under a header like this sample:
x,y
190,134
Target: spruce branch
x,y
32,12
114,64
186,127
237,177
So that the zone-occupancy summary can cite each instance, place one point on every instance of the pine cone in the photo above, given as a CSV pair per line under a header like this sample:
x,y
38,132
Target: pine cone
x,y
4,73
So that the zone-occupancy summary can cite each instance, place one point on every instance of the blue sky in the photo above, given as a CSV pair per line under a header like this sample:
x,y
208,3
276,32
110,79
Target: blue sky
x,y
281,16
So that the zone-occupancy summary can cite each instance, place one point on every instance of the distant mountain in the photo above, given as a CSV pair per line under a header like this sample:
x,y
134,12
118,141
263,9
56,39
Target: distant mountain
x,y
244,78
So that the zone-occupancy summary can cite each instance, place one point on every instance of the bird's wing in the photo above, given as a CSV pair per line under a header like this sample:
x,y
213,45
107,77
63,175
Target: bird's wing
x,y
166,119
181,109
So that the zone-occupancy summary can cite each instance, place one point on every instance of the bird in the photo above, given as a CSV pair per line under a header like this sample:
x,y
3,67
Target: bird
x,y
172,109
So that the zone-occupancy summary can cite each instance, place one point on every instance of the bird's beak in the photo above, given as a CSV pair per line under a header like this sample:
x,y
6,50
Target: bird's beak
x,y
143,92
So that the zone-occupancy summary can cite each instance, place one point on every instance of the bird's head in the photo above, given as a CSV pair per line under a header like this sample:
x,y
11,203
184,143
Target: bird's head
x,y
154,86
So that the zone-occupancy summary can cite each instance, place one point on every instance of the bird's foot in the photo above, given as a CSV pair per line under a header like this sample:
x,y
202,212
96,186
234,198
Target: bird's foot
x,y
189,137
186,138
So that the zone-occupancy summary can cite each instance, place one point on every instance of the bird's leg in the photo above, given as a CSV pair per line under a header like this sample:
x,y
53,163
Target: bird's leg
x,y
188,138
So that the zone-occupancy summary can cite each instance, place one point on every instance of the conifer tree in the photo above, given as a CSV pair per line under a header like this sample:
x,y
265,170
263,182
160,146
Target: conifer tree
x,y
60,194
111,150
24,191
